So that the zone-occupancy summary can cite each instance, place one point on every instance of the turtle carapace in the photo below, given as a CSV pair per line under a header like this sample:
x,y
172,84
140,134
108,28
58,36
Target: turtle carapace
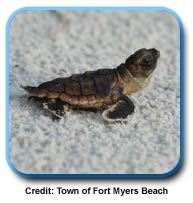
x,y
100,88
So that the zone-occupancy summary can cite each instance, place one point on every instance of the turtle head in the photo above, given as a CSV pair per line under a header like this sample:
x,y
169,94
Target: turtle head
x,y
143,62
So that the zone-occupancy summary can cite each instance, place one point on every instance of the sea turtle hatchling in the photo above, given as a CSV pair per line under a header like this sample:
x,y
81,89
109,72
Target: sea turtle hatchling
x,y
100,88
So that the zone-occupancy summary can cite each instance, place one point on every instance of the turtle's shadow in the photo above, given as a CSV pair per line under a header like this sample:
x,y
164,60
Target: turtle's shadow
x,y
33,102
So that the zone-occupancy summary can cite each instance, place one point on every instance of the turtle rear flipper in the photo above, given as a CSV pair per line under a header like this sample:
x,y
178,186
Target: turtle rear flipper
x,y
120,111
55,107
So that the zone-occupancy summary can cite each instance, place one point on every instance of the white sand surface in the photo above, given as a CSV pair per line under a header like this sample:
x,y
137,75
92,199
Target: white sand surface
x,y
45,45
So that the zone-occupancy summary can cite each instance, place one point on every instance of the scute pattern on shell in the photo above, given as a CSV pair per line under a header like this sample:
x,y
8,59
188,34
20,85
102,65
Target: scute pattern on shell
x,y
90,83
87,90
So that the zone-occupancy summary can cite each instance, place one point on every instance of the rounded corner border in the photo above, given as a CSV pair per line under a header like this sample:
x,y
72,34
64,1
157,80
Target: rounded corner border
x,y
94,176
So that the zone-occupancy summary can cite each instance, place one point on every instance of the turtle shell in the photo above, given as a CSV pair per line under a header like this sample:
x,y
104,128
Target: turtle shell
x,y
90,89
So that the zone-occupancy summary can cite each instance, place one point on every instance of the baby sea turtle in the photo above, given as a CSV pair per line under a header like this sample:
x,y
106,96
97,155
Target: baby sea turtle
x,y
100,88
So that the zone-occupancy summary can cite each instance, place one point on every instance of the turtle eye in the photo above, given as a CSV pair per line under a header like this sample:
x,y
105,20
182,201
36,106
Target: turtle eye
x,y
146,60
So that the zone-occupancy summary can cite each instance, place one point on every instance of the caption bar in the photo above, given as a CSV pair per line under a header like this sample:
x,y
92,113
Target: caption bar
x,y
96,190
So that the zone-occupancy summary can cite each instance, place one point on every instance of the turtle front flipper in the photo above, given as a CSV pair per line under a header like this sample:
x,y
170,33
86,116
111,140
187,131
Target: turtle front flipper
x,y
120,111
55,107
